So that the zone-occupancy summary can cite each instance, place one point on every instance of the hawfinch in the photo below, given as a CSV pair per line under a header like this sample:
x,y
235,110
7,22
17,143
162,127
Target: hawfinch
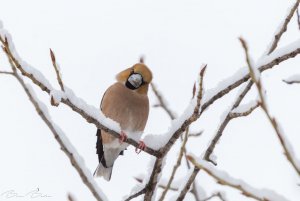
x,y
125,102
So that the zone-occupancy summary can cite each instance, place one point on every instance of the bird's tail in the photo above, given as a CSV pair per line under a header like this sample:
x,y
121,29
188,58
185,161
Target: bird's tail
x,y
104,172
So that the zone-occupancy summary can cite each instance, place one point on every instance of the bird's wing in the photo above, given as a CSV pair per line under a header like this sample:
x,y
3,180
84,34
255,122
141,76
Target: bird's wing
x,y
127,108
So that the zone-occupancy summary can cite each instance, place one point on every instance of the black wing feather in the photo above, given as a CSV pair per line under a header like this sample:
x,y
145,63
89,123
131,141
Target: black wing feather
x,y
99,147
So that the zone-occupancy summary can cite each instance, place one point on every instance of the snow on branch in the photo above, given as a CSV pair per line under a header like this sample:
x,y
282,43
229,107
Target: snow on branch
x,y
88,112
180,125
242,76
294,79
214,94
57,70
176,166
288,149
62,140
224,179
191,114
171,114
283,27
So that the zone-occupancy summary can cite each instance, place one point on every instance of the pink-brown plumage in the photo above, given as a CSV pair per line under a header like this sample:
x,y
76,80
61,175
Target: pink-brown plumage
x,y
125,102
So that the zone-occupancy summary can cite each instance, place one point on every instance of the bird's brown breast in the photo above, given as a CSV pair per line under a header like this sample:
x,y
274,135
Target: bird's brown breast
x,y
128,108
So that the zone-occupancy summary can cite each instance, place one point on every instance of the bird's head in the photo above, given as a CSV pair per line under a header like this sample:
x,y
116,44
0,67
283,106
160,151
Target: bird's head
x,y
137,78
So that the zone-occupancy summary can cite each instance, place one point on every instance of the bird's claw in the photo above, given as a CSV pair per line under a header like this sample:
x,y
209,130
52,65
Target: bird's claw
x,y
141,147
123,137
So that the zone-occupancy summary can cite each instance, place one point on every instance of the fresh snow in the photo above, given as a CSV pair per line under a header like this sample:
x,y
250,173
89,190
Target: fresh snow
x,y
68,145
245,107
157,141
292,78
264,194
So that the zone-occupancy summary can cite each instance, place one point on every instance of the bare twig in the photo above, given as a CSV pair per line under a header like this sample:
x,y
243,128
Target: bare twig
x,y
191,119
283,141
284,27
162,102
218,194
196,134
298,18
92,186
141,192
6,73
70,197
56,68
187,186
172,115
223,125
292,81
176,166
234,183
245,113
159,185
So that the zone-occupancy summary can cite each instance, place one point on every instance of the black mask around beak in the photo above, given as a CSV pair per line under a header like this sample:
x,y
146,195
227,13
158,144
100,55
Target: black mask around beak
x,y
134,81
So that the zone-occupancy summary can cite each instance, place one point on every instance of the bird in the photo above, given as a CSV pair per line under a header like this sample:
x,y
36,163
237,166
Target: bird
x,y
126,102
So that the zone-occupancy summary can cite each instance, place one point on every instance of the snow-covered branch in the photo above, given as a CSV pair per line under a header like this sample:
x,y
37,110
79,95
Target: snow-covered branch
x,y
283,27
176,166
62,140
57,71
88,112
224,179
288,149
182,123
294,79
217,93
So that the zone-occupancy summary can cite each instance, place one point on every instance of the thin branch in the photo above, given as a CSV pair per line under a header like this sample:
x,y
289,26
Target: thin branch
x,y
298,18
218,194
172,115
245,113
288,151
6,73
62,141
141,192
223,125
196,134
248,191
176,166
70,197
187,186
284,27
190,120
159,185
229,116
291,81
56,68
150,187
220,94
164,150
162,103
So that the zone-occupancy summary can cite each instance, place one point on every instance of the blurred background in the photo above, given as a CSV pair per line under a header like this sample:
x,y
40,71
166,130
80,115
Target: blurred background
x,y
93,40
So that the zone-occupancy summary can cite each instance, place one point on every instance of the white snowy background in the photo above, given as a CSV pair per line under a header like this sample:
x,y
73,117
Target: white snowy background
x,y
94,40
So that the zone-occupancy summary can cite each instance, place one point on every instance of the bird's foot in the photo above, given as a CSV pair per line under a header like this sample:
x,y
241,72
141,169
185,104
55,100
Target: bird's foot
x,y
141,147
123,137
